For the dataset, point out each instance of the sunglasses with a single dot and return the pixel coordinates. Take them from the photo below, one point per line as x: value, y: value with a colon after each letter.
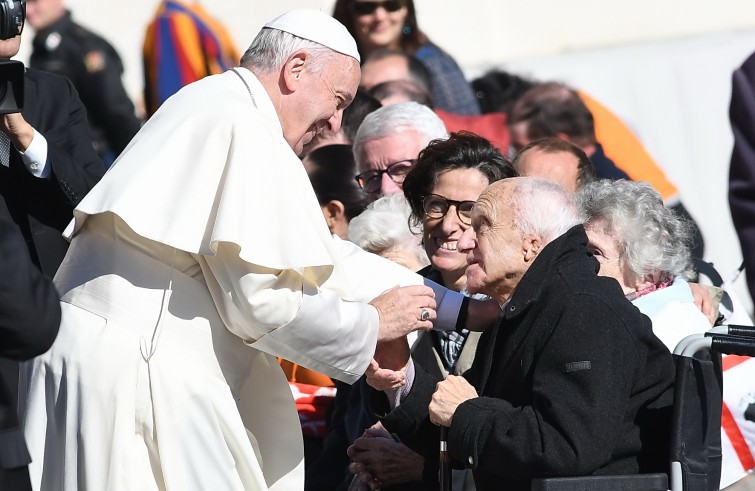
x: 367, y: 8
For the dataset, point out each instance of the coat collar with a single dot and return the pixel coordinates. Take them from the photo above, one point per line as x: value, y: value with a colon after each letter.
x: 567, y: 248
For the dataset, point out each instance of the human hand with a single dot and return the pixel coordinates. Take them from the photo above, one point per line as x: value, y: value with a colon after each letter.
x: 401, y: 310
x: 388, y: 369
x: 380, y: 460
x: 703, y: 301
x: 18, y: 130
x: 449, y: 393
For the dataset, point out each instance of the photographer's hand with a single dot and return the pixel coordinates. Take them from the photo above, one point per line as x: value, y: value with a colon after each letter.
x: 18, y: 130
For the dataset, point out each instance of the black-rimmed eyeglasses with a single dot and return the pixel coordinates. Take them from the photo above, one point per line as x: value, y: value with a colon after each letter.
x: 370, y: 180
x: 368, y: 8
x: 436, y: 206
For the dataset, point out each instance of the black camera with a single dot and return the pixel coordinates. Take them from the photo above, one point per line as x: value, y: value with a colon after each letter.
x: 12, y: 19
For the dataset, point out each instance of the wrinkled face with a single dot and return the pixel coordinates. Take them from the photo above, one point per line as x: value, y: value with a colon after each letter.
x: 604, y: 245
x: 381, y: 28
x: 42, y: 13
x: 559, y: 167
x: 385, y: 69
x: 321, y: 101
x: 379, y: 153
x: 494, y: 248
x: 441, y: 235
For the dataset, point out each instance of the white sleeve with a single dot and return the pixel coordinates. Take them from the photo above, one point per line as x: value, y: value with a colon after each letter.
x: 35, y: 157
x: 282, y: 313
x: 362, y: 276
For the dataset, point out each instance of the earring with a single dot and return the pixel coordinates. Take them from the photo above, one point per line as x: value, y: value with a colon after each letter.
x: 406, y: 30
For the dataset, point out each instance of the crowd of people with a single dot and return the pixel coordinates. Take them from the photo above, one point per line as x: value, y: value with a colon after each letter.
x: 306, y: 263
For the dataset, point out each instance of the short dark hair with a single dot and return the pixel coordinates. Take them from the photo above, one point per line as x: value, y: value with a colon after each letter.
x: 408, y: 89
x: 362, y: 105
x: 497, y: 90
x: 418, y: 72
x: 585, y: 169
x: 411, y: 36
x: 331, y: 172
x: 462, y: 150
x: 552, y: 108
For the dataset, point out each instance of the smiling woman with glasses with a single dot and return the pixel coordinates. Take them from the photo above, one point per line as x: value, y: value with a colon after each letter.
x: 392, y: 24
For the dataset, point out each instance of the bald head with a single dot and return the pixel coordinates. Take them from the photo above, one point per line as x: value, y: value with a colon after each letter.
x: 512, y: 221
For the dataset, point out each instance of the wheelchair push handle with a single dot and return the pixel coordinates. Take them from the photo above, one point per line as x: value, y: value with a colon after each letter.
x: 733, y: 345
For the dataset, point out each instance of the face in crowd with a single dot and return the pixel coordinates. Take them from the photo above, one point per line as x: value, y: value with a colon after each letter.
x: 322, y: 93
x: 448, y: 214
x: 378, y: 24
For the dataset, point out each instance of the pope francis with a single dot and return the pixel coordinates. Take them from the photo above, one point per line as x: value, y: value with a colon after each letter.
x: 200, y: 257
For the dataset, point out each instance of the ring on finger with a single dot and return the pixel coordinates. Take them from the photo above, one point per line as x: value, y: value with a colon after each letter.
x: 424, y: 314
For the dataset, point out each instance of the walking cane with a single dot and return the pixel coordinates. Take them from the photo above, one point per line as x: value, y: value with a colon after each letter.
x: 445, y: 461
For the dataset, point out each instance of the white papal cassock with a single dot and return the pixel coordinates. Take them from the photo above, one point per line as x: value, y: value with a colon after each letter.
x: 200, y: 257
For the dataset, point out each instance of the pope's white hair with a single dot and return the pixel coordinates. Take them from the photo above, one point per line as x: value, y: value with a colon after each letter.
x: 272, y: 48
x: 396, y: 119
x: 653, y: 239
x: 384, y: 226
x: 543, y: 208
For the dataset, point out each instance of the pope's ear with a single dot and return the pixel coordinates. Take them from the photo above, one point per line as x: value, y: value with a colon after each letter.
x: 293, y: 70
x: 532, y: 244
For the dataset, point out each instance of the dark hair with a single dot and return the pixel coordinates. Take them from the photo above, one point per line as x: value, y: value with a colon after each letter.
x: 497, y: 90
x: 411, y: 39
x: 331, y: 171
x: 362, y: 105
x: 418, y: 72
x: 462, y: 150
x: 585, y: 169
x: 553, y: 108
x: 408, y: 89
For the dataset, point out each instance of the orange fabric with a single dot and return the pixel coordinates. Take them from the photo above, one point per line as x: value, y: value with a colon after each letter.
x: 491, y: 126
x: 622, y: 146
x: 298, y: 374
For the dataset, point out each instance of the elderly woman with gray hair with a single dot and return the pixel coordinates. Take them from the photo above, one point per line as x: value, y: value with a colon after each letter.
x: 646, y: 248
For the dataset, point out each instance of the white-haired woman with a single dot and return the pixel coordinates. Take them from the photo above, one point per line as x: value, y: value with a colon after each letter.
x: 645, y: 247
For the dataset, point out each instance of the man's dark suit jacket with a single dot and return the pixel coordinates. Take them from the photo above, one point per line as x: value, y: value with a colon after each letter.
x: 572, y: 381
x: 742, y: 170
x: 42, y: 208
x: 29, y: 321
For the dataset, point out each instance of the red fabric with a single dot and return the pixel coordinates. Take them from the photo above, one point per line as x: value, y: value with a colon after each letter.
x: 491, y: 126
x: 737, y: 439
x: 312, y: 404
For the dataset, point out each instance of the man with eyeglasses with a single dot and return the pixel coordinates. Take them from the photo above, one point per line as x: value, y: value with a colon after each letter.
x: 388, y: 142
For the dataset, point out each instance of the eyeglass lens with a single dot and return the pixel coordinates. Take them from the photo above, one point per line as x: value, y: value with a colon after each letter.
x: 397, y: 171
x: 436, y: 206
x: 367, y: 8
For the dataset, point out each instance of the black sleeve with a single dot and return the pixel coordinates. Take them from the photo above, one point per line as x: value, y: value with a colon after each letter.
x: 74, y: 163
x: 102, y: 92
x: 29, y: 305
x: 742, y: 169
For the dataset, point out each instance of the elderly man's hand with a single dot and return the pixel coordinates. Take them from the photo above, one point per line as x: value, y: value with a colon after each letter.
x: 448, y: 395
x: 379, y: 460
x: 388, y: 369
x: 401, y: 311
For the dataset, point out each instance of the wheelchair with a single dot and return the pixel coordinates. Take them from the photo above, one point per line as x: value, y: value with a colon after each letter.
x: 695, y: 451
